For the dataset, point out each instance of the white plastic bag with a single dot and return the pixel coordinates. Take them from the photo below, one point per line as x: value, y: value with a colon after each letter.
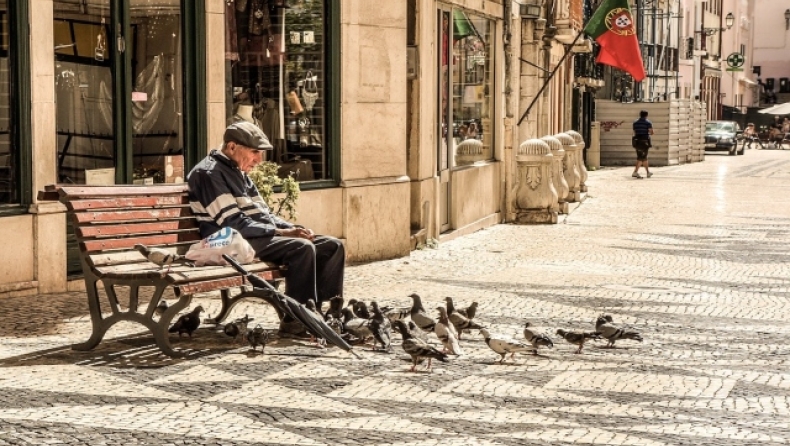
x: 225, y: 241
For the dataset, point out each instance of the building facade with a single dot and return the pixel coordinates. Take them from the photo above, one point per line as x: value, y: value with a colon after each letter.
x: 401, y: 118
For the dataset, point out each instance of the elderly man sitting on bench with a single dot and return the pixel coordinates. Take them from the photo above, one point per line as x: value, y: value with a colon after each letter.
x: 221, y: 194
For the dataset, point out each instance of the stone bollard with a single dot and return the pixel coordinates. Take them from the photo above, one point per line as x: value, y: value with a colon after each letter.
x: 468, y: 151
x: 535, y: 198
x: 570, y: 167
x: 557, y: 175
x: 579, y: 140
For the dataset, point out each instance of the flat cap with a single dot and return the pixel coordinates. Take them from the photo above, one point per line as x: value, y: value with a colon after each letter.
x: 247, y: 134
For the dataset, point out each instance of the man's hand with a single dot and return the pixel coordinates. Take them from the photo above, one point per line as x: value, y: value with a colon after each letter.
x: 304, y: 233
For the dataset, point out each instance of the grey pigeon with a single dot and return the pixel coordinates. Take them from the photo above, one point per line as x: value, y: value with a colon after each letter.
x: 238, y: 328
x: 446, y: 333
x: 577, y: 338
x: 161, y: 307
x: 357, y: 327
x: 380, y: 326
x: 416, y: 331
x: 187, y: 323
x: 537, y: 338
x: 417, y: 348
x: 418, y: 314
x: 469, y: 312
x: 503, y: 345
x: 161, y: 257
x: 605, y: 326
x: 258, y: 336
x: 335, y: 308
x: 396, y: 313
x: 360, y: 309
x: 459, y: 321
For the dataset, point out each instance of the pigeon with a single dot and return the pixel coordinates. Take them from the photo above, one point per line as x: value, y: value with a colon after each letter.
x: 537, y: 338
x: 380, y: 326
x: 418, y: 314
x: 258, y: 336
x: 417, y: 348
x: 356, y: 326
x: 396, y: 313
x: 187, y: 323
x: 459, y: 321
x: 310, y: 305
x: 335, y: 308
x: 469, y: 312
x: 605, y: 327
x: 416, y: 331
x: 503, y: 345
x: 446, y: 333
x: 161, y: 257
x: 238, y: 328
x: 577, y: 338
x: 360, y: 308
x: 161, y: 307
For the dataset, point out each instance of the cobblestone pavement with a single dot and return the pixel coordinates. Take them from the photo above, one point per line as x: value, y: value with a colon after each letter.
x: 696, y: 258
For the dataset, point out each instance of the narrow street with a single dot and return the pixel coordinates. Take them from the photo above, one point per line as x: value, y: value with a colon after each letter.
x: 696, y: 258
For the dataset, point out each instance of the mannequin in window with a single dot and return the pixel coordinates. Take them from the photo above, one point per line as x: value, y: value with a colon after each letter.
x: 244, y: 113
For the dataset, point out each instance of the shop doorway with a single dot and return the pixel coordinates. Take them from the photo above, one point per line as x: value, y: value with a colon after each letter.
x: 465, y: 104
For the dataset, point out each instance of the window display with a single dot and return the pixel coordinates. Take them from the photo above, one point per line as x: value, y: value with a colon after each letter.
x: 274, y: 53
x: 472, y: 44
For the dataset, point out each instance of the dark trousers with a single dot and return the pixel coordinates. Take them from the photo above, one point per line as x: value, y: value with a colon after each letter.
x: 315, y: 269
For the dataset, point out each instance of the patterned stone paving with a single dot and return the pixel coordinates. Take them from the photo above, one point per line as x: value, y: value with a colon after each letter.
x: 696, y: 258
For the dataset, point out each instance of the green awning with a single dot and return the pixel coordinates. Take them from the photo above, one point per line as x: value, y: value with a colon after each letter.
x: 462, y: 26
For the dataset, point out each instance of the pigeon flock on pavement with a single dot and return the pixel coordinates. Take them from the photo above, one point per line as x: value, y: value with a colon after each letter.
x: 360, y: 323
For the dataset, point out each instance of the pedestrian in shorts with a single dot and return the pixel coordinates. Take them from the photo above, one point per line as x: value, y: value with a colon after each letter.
x: 643, y: 128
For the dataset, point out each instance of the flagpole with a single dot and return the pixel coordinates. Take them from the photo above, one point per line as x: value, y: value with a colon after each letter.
x: 551, y: 75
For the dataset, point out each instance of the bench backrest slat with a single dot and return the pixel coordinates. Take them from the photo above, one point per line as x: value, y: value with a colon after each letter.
x: 173, y: 226
x: 75, y: 192
x: 127, y: 202
x: 129, y: 242
x: 130, y: 215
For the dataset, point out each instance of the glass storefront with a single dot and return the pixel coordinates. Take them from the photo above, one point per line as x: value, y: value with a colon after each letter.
x: 465, y: 79
x: 9, y: 187
x: 96, y: 133
x: 275, y: 60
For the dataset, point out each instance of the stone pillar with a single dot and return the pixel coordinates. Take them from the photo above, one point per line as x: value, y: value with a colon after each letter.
x: 535, y: 198
x: 570, y: 167
x: 579, y: 140
x: 557, y: 174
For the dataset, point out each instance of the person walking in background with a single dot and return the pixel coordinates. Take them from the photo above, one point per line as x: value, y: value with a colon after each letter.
x: 750, y: 136
x: 643, y: 128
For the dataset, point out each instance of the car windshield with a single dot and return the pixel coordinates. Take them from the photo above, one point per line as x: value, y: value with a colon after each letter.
x: 719, y: 127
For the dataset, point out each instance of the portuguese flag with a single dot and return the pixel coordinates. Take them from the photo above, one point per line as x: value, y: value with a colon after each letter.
x: 613, y: 27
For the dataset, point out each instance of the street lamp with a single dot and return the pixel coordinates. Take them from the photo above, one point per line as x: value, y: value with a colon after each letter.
x: 729, y: 21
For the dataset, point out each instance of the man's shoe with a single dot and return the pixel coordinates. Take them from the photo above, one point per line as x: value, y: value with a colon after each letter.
x: 636, y: 175
x: 649, y: 174
x: 292, y: 329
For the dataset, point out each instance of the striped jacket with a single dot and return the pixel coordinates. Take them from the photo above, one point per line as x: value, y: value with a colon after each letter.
x: 221, y: 196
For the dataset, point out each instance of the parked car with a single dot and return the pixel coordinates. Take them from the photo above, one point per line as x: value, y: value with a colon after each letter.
x: 724, y: 135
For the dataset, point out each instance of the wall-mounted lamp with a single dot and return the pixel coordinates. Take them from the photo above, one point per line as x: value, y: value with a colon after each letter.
x: 729, y: 21
x: 530, y: 9
x: 787, y: 19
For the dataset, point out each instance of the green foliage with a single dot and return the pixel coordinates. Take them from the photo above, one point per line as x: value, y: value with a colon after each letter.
x: 265, y: 178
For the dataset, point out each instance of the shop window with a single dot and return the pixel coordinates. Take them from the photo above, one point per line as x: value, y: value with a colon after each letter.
x: 276, y: 71
x: 471, y: 78
x: 109, y: 130
x: 9, y: 154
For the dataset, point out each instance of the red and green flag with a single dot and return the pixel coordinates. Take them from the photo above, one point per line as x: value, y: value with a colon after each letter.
x: 613, y: 27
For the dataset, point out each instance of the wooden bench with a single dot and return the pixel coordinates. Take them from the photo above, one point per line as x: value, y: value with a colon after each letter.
x: 109, y: 220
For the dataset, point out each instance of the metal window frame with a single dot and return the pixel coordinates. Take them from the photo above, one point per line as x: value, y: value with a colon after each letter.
x: 20, y: 95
